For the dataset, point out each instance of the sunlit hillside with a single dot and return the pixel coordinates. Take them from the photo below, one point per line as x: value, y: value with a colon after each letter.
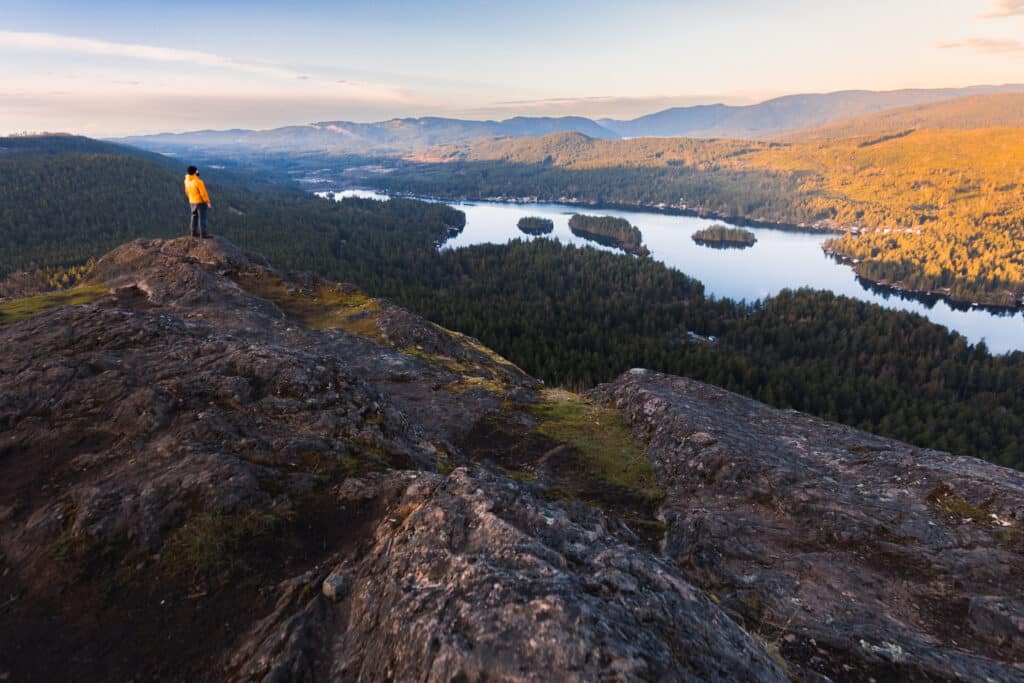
x: 936, y: 209
x: 964, y: 113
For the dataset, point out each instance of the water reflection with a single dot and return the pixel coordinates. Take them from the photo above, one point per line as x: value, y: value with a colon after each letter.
x: 724, y: 246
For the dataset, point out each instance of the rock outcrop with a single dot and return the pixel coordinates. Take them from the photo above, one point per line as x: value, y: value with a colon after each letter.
x: 861, y: 557
x: 217, y: 472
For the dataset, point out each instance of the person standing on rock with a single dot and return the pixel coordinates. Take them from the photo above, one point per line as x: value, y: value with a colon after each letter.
x: 198, y: 200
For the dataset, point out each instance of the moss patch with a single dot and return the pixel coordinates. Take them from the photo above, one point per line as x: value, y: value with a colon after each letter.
x: 1010, y: 536
x: 209, y: 544
x: 946, y: 501
x: 323, y: 307
x: 575, y: 451
x: 332, y: 467
x: 477, y: 346
x: 20, y: 309
x: 467, y: 369
x: 606, y: 447
x: 472, y: 382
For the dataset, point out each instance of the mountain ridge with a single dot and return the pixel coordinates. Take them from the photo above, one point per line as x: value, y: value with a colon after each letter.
x: 405, y: 135
x: 782, y: 114
x: 1004, y: 110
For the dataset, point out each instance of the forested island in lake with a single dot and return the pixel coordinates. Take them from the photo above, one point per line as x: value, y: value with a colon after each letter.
x: 534, y: 225
x: 724, y: 237
x: 609, y: 231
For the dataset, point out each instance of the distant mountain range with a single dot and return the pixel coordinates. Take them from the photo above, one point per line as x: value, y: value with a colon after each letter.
x: 770, y: 119
x: 962, y: 113
x: 397, y: 136
x: 784, y: 114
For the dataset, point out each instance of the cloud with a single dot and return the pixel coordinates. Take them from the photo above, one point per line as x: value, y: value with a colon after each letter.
x: 991, y: 45
x: 1005, y: 8
x: 154, y: 53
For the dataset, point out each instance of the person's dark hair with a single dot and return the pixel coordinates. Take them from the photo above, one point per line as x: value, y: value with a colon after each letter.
x: 192, y: 170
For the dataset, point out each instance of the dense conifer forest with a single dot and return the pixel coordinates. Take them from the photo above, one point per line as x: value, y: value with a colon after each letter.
x: 534, y: 225
x: 609, y: 231
x: 60, y: 208
x: 571, y: 316
x: 576, y: 316
x: 724, y: 235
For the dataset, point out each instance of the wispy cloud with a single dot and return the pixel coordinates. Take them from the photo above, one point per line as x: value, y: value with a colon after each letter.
x: 991, y: 45
x: 1005, y: 8
x: 154, y: 53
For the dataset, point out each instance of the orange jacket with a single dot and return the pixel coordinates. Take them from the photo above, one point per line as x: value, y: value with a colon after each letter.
x: 195, y: 190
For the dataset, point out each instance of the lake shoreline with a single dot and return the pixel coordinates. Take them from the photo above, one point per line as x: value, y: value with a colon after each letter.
x: 668, y: 210
x: 737, y: 221
x: 925, y: 295
x: 786, y: 259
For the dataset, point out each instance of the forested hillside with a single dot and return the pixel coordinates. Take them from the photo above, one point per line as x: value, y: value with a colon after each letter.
x: 61, y: 203
x: 567, y: 315
x: 942, y: 210
x: 577, y: 316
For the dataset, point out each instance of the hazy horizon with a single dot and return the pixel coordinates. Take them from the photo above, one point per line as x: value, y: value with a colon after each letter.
x: 117, y: 68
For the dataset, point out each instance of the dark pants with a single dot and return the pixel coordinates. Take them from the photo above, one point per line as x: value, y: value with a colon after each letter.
x: 197, y: 224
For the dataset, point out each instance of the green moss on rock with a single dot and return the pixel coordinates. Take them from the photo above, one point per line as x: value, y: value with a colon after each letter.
x: 29, y: 306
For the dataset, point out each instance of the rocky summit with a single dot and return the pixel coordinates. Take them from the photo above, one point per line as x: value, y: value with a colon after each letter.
x: 212, y: 471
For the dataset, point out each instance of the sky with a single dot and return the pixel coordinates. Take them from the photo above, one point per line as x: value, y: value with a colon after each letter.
x: 119, y: 67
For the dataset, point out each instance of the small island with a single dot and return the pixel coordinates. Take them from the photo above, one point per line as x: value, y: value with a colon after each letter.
x: 724, y: 237
x: 534, y: 225
x: 609, y: 231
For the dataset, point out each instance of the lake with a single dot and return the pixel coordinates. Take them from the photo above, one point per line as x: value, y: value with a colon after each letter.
x: 781, y: 259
